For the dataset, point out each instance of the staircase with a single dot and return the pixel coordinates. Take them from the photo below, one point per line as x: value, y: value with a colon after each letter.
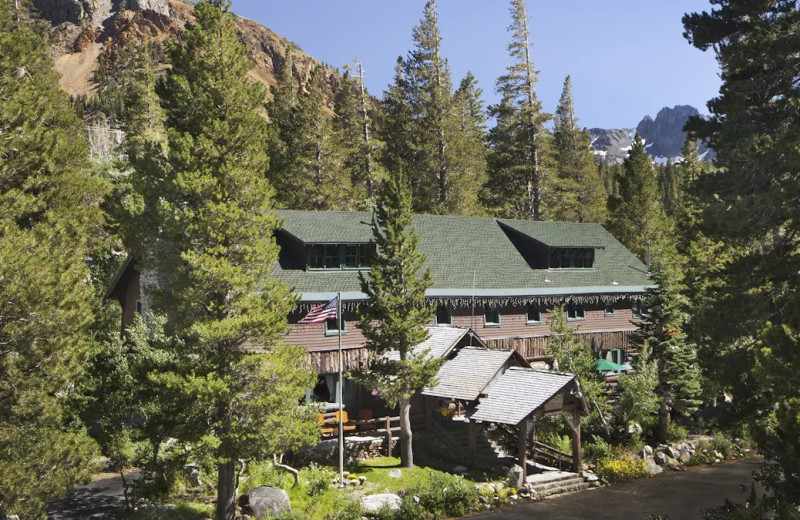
x: 551, y: 483
x: 454, y: 434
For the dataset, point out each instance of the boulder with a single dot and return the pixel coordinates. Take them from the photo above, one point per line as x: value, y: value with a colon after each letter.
x: 460, y: 470
x: 660, y: 458
x: 651, y: 467
x: 159, y: 6
x: 263, y: 501
x: 395, y: 473
x: 515, y: 476
x: 647, y: 451
x: 375, y: 503
x: 685, y: 458
x: 672, y: 452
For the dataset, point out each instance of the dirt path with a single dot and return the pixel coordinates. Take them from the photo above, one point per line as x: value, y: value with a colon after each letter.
x: 678, y: 496
x: 98, y: 499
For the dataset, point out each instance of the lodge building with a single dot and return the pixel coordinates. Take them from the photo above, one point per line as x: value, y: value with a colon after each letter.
x: 495, y: 283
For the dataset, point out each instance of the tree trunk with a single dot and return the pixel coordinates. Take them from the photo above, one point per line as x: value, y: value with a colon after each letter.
x: 406, y: 452
x: 663, y: 422
x: 226, y: 491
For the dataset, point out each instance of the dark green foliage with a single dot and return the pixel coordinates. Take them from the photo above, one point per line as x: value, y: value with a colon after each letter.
x: 393, y: 321
x: 353, y: 114
x: 206, y: 228
x: 50, y: 224
x: 576, y: 191
x: 518, y: 142
x: 751, y: 215
x: 439, y: 496
x: 427, y: 127
x: 636, y: 213
x: 662, y: 329
x: 306, y: 158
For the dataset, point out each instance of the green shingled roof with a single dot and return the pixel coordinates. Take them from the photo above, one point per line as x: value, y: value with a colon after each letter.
x: 462, y: 249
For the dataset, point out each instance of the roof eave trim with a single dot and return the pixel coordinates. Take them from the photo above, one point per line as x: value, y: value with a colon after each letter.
x: 488, y: 293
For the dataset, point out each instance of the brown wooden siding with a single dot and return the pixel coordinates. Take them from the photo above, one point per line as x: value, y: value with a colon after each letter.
x: 513, y: 322
x: 535, y: 347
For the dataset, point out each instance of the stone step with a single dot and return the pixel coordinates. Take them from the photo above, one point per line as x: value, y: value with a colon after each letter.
x: 560, y: 490
x: 544, y: 486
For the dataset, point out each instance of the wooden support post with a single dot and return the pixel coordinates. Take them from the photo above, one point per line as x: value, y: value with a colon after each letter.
x: 473, y: 440
x: 522, y: 445
x: 388, y: 436
x: 576, y: 442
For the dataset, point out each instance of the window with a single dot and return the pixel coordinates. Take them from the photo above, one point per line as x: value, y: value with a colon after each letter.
x: 608, y: 312
x: 639, y: 310
x: 571, y: 257
x: 444, y: 315
x: 338, y: 256
x: 533, y: 314
x: 491, y: 316
x: 617, y: 355
x: 575, y: 311
x: 331, y: 327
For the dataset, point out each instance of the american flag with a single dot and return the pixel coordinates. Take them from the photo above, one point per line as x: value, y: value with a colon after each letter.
x: 322, y: 312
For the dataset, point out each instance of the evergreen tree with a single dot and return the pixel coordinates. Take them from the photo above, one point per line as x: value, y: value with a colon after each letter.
x: 637, y: 215
x: 662, y: 330
x: 749, y: 207
x: 574, y: 355
x: 50, y: 224
x: 518, y: 141
x: 470, y: 142
x: 208, y: 236
x: 423, y: 116
x: 576, y: 192
x: 353, y: 126
x: 306, y: 159
x: 393, y: 321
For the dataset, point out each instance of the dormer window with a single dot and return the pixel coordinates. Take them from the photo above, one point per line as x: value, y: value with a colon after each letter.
x: 571, y: 257
x: 338, y: 256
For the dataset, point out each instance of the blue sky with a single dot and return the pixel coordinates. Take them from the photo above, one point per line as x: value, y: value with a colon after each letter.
x: 627, y: 58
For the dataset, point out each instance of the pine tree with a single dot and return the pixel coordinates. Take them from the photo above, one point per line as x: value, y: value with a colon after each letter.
x: 574, y: 355
x: 662, y: 330
x: 50, y: 224
x: 355, y: 135
x: 393, y: 321
x: 749, y: 206
x: 470, y: 143
x: 518, y: 141
x: 637, y: 215
x: 209, y: 239
x: 576, y: 190
x: 306, y: 156
x: 423, y: 118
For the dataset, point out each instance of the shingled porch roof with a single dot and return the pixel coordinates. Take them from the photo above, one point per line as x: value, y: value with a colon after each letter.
x: 466, y: 376
x: 508, y: 403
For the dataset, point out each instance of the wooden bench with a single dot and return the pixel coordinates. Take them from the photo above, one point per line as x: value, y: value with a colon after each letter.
x: 330, y: 423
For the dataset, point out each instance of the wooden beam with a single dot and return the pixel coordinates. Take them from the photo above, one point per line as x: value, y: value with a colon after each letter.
x: 522, y: 447
x: 473, y: 440
x: 576, y: 441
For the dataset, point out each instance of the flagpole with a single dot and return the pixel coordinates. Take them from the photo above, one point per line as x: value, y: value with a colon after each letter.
x: 341, y: 384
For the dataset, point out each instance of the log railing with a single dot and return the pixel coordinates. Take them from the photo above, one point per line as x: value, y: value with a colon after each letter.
x: 388, y: 427
x: 539, y: 451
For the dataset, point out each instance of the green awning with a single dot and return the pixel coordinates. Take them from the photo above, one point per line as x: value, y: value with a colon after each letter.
x: 604, y: 365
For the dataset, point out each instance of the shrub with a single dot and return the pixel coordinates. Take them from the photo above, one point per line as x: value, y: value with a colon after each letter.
x: 722, y: 443
x: 598, y: 450
x: 676, y: 432
x: 444, y: 495
x: 410, y: 509
x: 703, y: 454
x: 318, y: 479
x: 621, y: 469
x: 350, y: 510
x: 262, y: 473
